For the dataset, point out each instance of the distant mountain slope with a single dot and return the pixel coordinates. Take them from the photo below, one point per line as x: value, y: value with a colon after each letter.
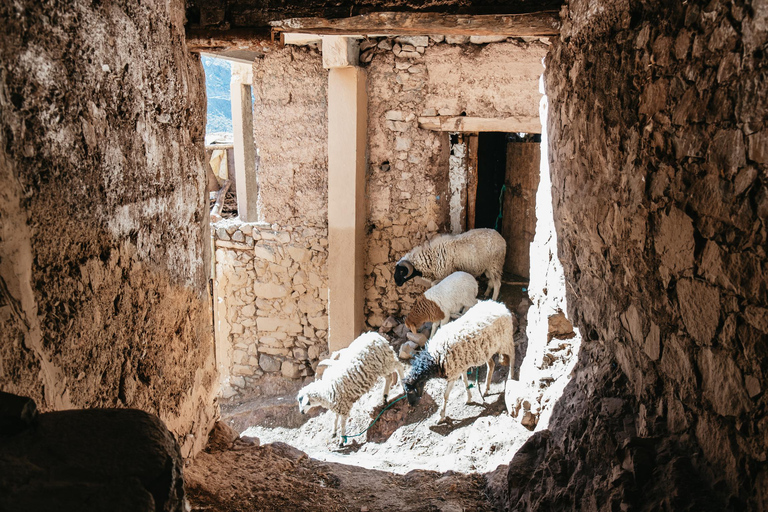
x: 218, y: 73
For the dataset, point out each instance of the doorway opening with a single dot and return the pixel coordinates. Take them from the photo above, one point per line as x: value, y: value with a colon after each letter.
x: 504, y: 197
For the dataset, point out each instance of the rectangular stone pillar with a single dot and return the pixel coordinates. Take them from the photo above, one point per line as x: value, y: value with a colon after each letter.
x: 347, y: 129
x: 245, y: 148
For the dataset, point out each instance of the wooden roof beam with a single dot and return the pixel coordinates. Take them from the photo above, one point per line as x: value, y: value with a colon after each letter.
x: 511, y: 124
x: 542, y: 24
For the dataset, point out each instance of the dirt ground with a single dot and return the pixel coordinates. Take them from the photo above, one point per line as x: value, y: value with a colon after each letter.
x: 405, y: 461
x: 278, y: 477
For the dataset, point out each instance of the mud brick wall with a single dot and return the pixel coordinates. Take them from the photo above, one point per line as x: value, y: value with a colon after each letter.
x: 290, y: 122
x: 103, y: 279
x: 658, y: 150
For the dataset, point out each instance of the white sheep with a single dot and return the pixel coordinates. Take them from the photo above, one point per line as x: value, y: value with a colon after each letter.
x: 488, y: 328
x: 351, y: 376
x: 478, y: 251
x: 450, y: 296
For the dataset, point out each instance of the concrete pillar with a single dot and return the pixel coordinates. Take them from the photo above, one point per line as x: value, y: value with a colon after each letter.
x: 245, y: 149
x: 347, y: 129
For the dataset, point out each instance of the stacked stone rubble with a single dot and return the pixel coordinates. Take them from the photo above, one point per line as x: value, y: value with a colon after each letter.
x: 271, y: 290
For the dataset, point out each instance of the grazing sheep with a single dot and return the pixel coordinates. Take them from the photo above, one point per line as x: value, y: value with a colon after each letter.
x: 478, y: 251
x: 486, y: 329
x: 351, y: 376
x: 449, y: 296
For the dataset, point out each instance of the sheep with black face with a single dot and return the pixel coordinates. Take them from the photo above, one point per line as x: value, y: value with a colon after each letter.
x: 477, y: 252
x: 488, y: 328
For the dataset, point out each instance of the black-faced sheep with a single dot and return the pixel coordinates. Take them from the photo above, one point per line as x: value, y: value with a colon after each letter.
x: 456, y: 292
x: 351, y: 376
x: 478, y: 251
x: 486, y: 329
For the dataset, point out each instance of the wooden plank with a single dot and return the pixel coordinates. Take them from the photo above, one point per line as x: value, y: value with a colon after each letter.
x: 472, y: 146
x: 481, y: 124
x: 519, y: 216
x: 299, y: 38
x: 212, y: 40
x: 543, y: 24
x: 219, y: 204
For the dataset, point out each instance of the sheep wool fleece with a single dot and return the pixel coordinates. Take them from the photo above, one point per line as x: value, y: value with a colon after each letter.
x: 454, y: 292
x: 356, y: 371
x: 477, y: 251
x: 486, y: 329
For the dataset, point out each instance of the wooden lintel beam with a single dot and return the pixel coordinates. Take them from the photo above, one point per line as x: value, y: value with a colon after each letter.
x: 545, y: 23
x: 481, y: 124
x: 211, y: 40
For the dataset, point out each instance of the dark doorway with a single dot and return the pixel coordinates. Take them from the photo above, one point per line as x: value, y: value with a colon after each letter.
x: 491, y: 170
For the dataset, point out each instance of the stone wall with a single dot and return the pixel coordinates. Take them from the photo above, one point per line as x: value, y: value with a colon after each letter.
x: 103, y: 279
x: 658, y: 144
x: 408, y: 183
x: 271, y: 303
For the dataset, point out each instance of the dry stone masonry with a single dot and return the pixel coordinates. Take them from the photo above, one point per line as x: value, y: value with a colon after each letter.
x: 271, y: 281
x: 271, y: 303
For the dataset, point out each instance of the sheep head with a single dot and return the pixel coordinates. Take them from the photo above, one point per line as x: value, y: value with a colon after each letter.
x: 424, y: 367
x: 424, y: 310
x: 404, y: 271
x: 307, y: 398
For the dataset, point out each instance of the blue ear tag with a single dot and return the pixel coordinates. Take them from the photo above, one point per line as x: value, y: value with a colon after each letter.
x: 525, y: 289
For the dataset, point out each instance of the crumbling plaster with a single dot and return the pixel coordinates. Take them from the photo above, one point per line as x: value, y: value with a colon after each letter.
x: 102, y: 248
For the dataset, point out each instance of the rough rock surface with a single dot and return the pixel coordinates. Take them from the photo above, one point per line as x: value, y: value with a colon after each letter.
x: 657, y: 123
x: 98, y: 459
x: 103, y: 279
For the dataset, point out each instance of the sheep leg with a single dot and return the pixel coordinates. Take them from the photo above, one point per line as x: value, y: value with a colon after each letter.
x: 448, y: 388
x: 496, y: 280
x: 434, y: 330
x: 466, y: 386
x: 489, y: 376
x: 511, y: 360
x: 343, y: 421
x: 445, y: 320
x: 335, y: 421
x: 400, y: 376
x: 387, y: 385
